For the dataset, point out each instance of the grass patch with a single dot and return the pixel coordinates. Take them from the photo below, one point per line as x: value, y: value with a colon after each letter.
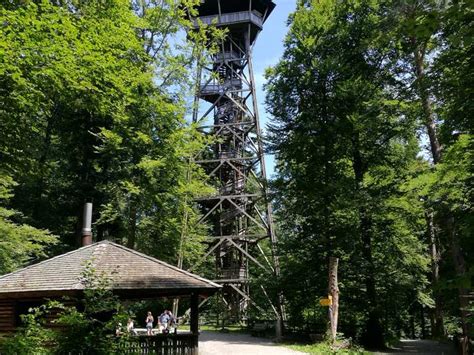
x: 324, y: 348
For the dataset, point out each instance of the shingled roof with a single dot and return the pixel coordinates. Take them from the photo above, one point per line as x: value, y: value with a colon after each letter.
x: 132, y: 274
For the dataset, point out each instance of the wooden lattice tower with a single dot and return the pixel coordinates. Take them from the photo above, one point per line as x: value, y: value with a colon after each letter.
x: 226, y: 107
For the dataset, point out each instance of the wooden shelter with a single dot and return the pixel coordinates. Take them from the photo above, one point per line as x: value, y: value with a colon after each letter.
x: 133, y: 276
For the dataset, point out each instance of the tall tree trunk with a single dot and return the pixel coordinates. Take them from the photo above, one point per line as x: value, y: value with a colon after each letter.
x: 373, y: 336
x: 184, y: 232
x: 334, y: 293
x: 448, y: 223
x: 463, y: 293
x: 436, y: 316
x: 39, y: 207
x: 428, y: 116
x: 412, y: 321
x: 437, y: 321
x: 422, y: 322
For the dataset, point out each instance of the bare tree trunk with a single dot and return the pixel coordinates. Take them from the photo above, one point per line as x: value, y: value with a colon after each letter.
x: 334, y: 293
x: 428, y: 116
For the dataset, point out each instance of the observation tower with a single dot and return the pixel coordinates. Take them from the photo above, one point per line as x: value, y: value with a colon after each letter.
x: 242, y: 241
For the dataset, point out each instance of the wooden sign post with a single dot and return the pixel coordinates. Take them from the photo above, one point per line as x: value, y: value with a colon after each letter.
x: 326, y: 301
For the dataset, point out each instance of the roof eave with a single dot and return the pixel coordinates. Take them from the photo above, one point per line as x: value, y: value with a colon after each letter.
x: 124, y: 293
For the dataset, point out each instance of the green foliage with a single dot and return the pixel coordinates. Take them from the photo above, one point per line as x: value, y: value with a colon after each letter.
x: 453, y: 184
x: 346, y: 148
x: 453, y: 70
x: 356, y: 84
x: 452, y: 193
x: 20, y: 243
x: 33, y: 338
x: 90, y: 326
x: 92, y: 110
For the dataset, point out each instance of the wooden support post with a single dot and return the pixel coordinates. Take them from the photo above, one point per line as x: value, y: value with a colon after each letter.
x: 334, y: 293
x: 194, y: 313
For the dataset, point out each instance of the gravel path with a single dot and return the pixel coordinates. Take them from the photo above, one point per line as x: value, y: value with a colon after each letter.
x: 424, y: 347
x: 215, y: 343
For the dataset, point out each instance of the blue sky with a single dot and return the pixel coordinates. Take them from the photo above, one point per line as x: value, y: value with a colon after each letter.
x: 267, y: 51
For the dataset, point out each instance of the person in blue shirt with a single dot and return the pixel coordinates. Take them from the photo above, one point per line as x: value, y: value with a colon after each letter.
x: 164, y: 321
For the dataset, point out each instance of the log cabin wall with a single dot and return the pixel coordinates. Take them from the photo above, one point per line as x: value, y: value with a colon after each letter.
x: 7, y: 316
x: 11, y: 311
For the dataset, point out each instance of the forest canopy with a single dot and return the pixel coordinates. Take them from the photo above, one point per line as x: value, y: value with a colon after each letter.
x: 372, y: 132
x: 92, y: 110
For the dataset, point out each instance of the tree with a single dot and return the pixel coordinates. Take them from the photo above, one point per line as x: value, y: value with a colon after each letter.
x: 436, y: 48
x: 453, y: 191
x: 93, y: 110
x: 453, y: 71
x: 21, y: 243
x: 344, y: 143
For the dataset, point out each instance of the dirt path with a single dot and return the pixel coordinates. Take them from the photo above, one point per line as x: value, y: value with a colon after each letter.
x: 425, y: 347
x: 215, y: 343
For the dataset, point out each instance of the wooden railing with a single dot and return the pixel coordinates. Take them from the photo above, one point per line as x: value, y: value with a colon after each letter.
x: 231, y: 18
x: 217, y: 88
x: 160, y: 344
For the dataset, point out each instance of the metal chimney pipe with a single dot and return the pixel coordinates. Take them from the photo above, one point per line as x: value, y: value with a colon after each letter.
x: 87, y: 224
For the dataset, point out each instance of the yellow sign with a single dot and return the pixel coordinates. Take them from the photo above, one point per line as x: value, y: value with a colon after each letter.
x: 326, y: 301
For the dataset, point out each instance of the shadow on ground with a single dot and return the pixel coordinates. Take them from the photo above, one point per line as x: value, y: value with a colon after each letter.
x: 419, y: 346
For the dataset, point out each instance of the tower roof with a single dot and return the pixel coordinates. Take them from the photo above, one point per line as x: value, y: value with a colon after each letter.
x: 211, y: 7
x: 131, y: 274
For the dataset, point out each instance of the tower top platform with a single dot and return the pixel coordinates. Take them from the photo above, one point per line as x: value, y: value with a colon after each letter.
x: 236, y: 15
x: 219, y: 7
